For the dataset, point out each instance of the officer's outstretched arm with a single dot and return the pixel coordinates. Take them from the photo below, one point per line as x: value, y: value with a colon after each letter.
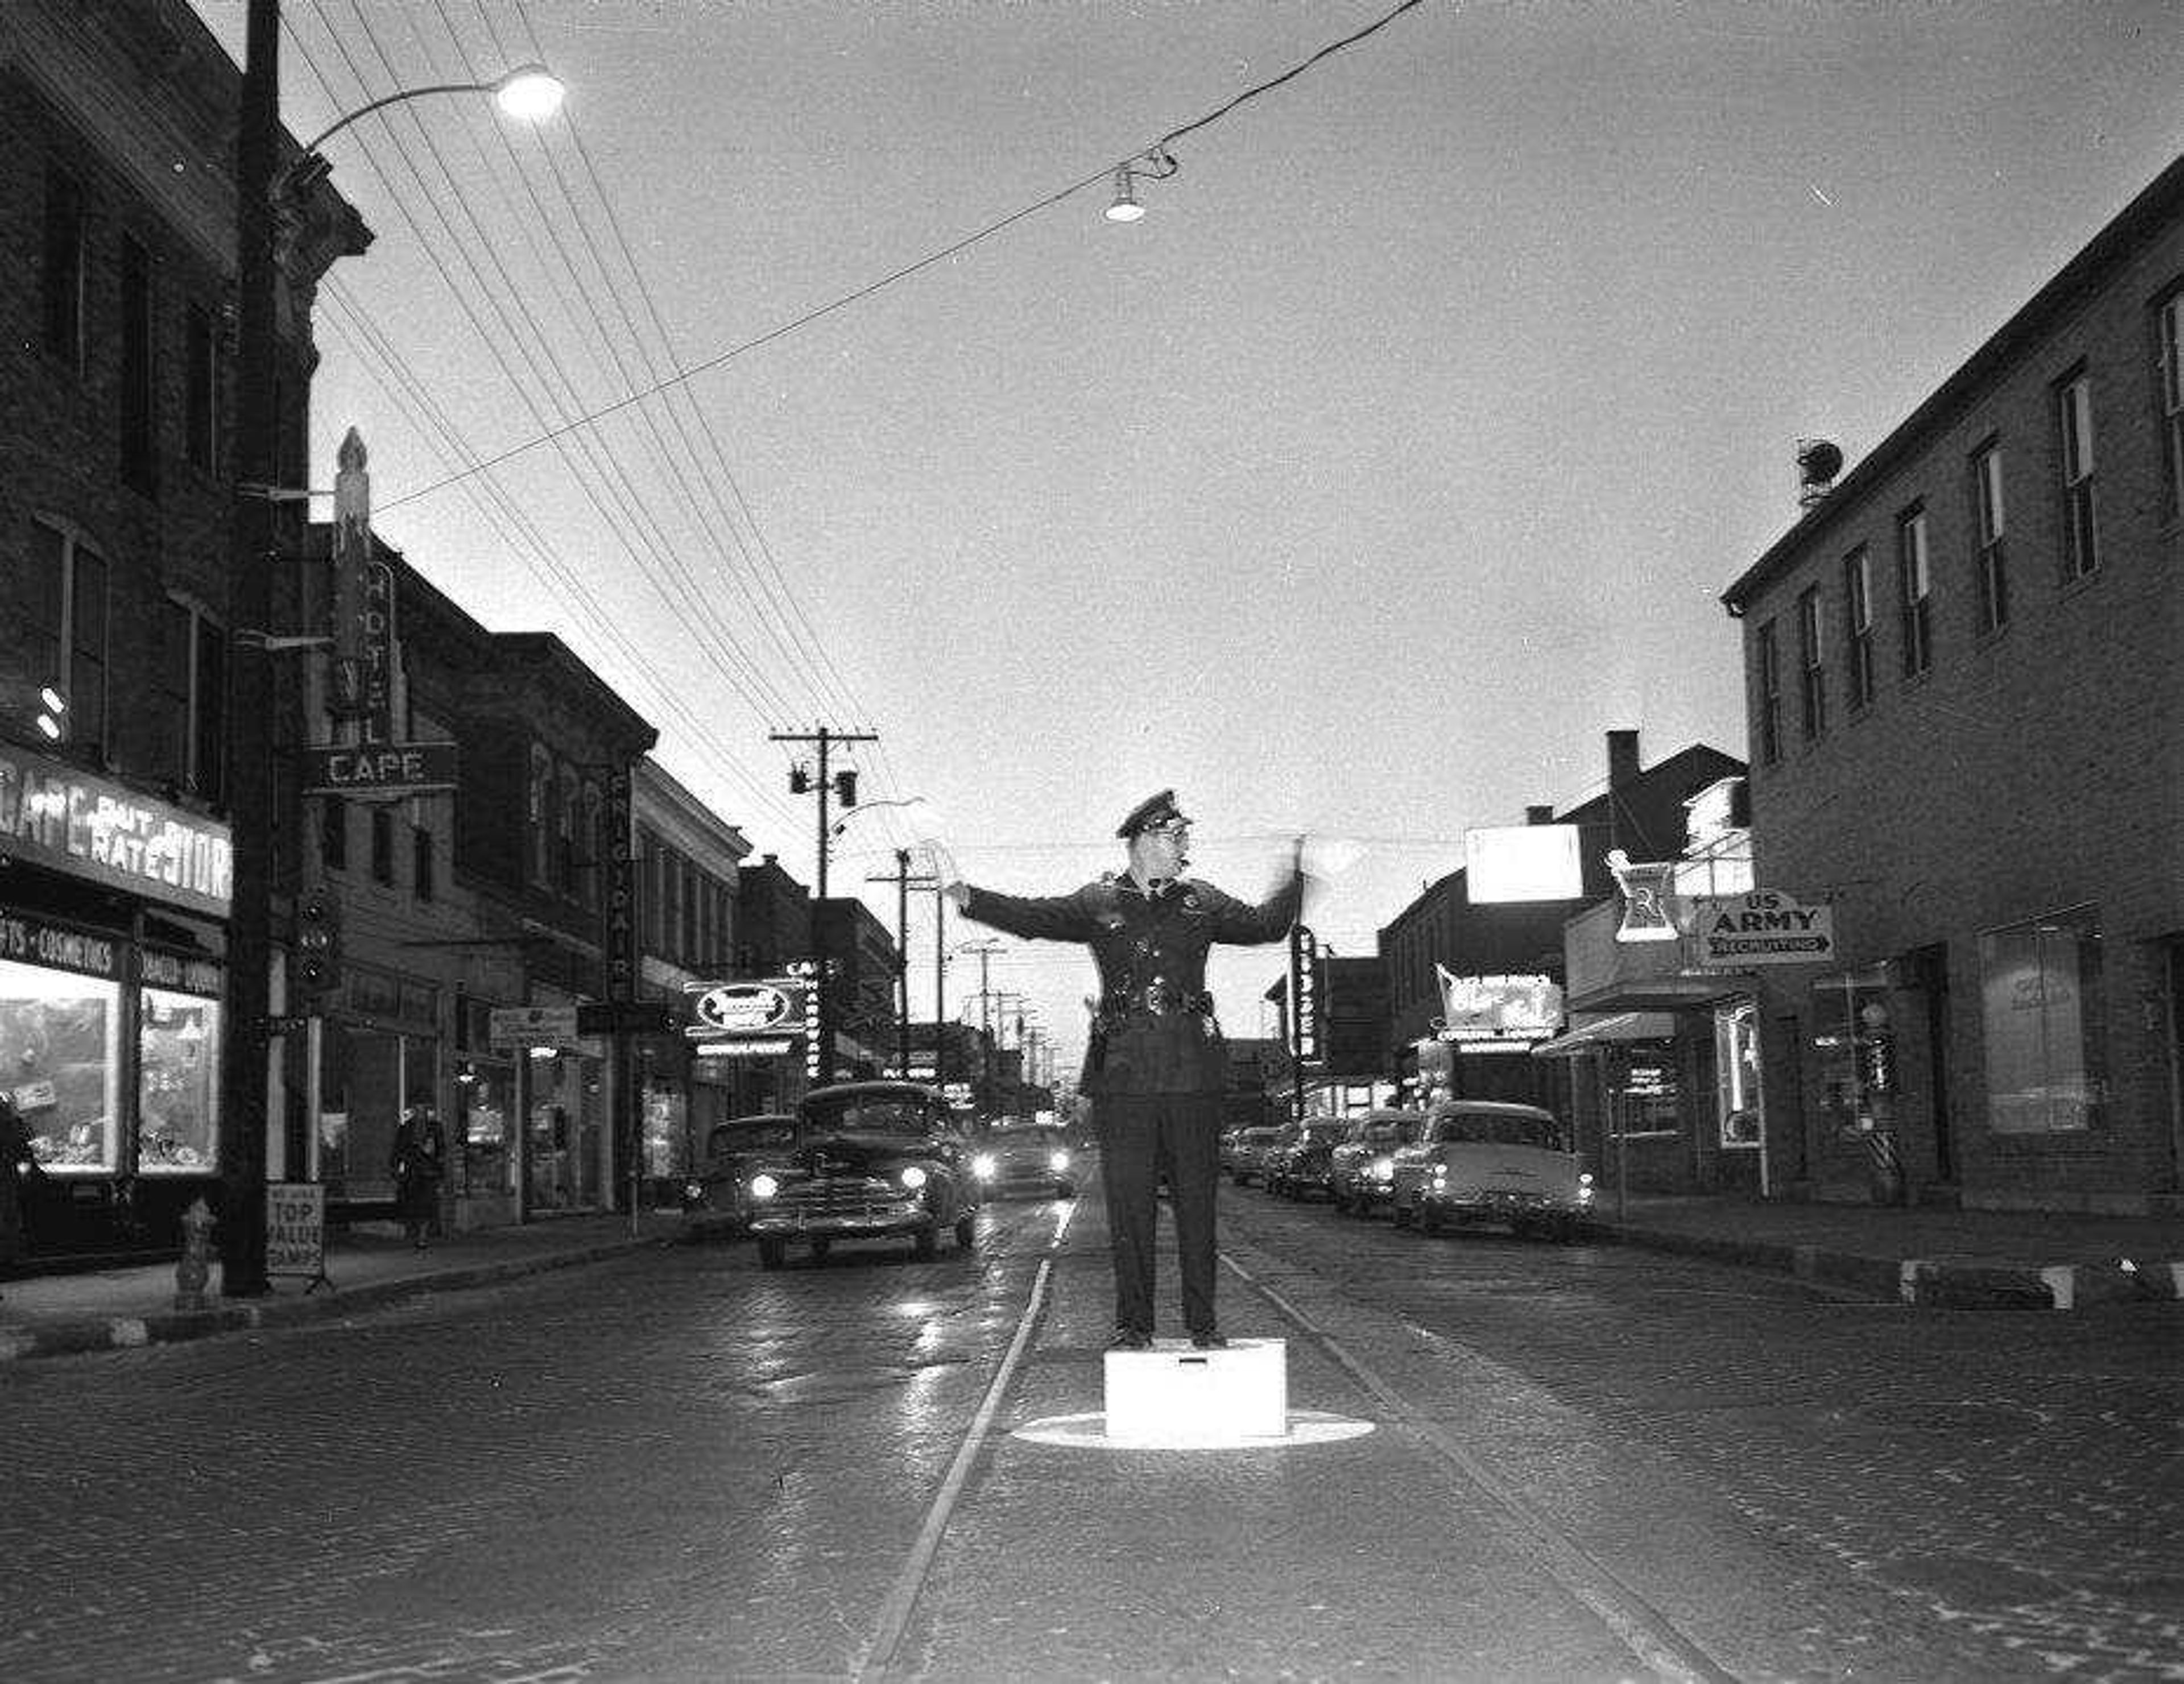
x: 1046, y: 918
x: 1244, y: 925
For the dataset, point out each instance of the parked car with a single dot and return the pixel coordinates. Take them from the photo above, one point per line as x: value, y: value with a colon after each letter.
x: 1361, y: 1166
x: 735, y: 1152
x: 1033, y: 1161
x: 1247, y: 1158
x: 1298, y: 1163
x: 1479, y: 1159
x: 872, y: 1161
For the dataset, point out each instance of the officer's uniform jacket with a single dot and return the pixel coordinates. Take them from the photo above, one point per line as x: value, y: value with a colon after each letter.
x: 1154, y: 1030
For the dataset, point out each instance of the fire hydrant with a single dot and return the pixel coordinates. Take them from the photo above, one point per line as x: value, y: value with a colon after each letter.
x: 194, y: 1267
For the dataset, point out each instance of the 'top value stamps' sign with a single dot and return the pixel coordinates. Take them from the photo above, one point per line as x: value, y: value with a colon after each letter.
x: 1765, y: 927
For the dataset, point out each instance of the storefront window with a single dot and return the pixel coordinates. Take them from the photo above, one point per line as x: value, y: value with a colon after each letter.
x: 485, y: 1098
x: 1854, y: 1037
x: 665, y: 1146
x: 2039, y: 993
x: 1647, y: 1093
x: 178, y: 1084
x: 565, y: 1113
x: 60, y: 1059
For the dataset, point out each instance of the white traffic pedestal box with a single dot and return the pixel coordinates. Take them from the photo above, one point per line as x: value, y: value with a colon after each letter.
x: 1177, y: 1394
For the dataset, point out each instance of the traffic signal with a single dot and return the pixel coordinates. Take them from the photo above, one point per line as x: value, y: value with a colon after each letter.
x: 799, y: 780
x: 318, y: 940
x: 845, y: 787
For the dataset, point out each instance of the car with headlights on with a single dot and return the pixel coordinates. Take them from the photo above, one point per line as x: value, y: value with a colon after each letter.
x: 1031, y: 1161
x: 1298, y: 1163
x: 871, y: 1161
x: 1488, y: 1161
x: 1361, y: 1166
x: 719, y: 1184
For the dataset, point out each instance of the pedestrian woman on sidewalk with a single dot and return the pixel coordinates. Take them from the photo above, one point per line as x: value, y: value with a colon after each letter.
x: 15, y: 1163
x: 419, y: 1161
x: 1156, y: 1066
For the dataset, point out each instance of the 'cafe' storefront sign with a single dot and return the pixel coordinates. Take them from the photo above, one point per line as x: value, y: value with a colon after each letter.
x: 52, y: 814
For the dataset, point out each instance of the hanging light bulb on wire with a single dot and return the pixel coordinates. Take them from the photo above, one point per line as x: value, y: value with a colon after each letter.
x: 1154, y: 166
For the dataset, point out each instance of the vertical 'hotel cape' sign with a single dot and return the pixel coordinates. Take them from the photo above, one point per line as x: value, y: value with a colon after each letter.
x: 363, y: 604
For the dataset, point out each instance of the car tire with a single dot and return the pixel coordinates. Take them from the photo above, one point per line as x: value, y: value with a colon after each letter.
x: 924, y: 1246
x: 1430, y: 1219
x: 1399, y: 1216
x: 772, y: 1251
x: 966, y: 1231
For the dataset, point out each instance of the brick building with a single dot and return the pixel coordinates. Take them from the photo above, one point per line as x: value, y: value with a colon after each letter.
x: 118, y: 244
x: 1967, y: 735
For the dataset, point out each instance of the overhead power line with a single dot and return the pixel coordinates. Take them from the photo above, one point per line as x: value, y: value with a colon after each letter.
x: 1104, y: 173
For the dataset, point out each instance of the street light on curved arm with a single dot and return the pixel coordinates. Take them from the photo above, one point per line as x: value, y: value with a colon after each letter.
x: 531, y: 91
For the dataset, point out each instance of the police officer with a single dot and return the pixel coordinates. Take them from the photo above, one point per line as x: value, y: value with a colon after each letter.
x: 1157, y: 1065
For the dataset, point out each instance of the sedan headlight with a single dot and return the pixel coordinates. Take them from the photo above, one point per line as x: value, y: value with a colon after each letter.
x: 764, y: 1186
x: 913, y: 1176
x: 1440, y: 1172
x: 1384, y: 1169
x: 1058, y: 1162
x: 694, y: 1189
x: 983, y: 1166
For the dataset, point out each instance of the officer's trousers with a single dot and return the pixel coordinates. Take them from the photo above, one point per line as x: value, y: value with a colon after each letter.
x: 1143, y: 1137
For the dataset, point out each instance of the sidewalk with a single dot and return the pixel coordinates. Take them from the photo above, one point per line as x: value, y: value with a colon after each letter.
x: 54, y: 1314
x: 1957, y: 1259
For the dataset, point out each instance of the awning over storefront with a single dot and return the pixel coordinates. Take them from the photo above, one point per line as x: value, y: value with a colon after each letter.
x: 1624, y: 1026
x: 1659, y: 994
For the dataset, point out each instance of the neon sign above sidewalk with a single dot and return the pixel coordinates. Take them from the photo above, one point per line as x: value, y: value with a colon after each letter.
x: 52, y: 814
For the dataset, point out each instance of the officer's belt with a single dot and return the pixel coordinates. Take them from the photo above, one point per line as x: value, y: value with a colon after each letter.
x: 1159, y: 1000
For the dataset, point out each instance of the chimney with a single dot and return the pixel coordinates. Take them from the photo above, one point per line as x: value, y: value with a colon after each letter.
x: 1819, y: 462
x: 1539, y: 815
x: 1622, y: 760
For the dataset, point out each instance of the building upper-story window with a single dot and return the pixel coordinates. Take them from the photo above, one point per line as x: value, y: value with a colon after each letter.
x: 1914, y: 590
x: 193, y: 684
x: 134, y: 411
x: 2168, y: 332
x: 567, y: 810
x: 2080, y: 524
x: 1857, y: 625
x: 63, y: 276
x: 383, y: 844
x: 424, y: 876
x: 1769, y: 661
x: 1990, y: 522
x: 60, y: 603
x: 590, y: 836
x: 1812, y: 670
x: 200, y: 390
x: 333, y: 832
x: 538, y: 814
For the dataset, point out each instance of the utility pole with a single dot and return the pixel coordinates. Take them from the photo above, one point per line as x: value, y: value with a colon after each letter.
x: 985, y: 950
x: 904, y: 882
x: 1006, y: 999
x: 242, y: 1118
x: 846, y: 788
x: 940, y: 980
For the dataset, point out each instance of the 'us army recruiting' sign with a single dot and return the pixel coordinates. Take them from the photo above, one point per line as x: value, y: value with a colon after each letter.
x: 1765, y: 927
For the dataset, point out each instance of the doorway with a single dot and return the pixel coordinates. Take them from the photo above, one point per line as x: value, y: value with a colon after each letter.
x: 1929, y: 975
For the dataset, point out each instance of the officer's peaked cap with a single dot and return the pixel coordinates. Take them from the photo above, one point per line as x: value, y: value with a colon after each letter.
x: 1154, y: 810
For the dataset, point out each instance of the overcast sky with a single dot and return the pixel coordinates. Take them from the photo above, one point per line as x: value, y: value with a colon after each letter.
x: 1397, y: 455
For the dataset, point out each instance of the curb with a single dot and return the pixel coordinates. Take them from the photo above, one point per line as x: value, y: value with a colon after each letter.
x: 1958, y: 1283
x: 75, y: 1335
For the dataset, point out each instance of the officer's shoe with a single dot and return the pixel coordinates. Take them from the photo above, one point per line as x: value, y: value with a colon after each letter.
x: 1130, y: 1339
x: 1209, y: 1341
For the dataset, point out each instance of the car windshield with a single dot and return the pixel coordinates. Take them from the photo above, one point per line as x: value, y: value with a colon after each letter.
x: 1026, y: 1140
x: 748, y: 1133
x: 1502, y: 1129
x: 872, y: 1114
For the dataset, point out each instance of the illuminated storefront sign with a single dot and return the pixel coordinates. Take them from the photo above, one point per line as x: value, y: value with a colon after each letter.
x: 1481, y: 1013
x: 52, y: 815
x: 746, y: 1019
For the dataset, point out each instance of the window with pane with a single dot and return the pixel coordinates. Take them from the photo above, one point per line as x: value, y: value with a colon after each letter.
x: 2168, y: 329
x: 1914, y: 591
x: 1812, y: 671
x: 333, y: 832
x: 538, y: 814
x: 592, y: 863
x: 424, y: 877
x: 177, y: 1084
x: 133, y: 412
x: 565, y: 831
x: 62, y: 277
x: 58, y: 603
x: 1857, y: 625
x: 1769, y: 660
x: 200, y: 389
x: 2080, y: 524
x: 2041, y: 1004
x: 60, y: 1045
x: 382, y: 845
x: 1989, y: 522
